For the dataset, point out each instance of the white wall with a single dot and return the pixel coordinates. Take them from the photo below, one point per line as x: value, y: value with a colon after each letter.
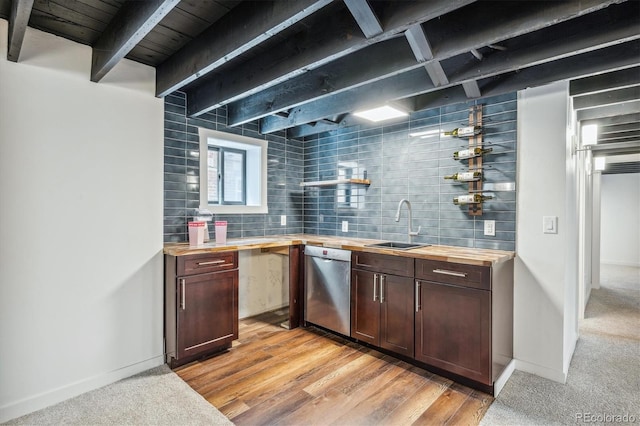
x: 540, y: 270
x: 620, y: 221
x: 80, y: 223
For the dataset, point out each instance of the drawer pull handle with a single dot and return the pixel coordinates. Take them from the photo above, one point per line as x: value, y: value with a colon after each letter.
x: 183, y: 298
x: 452, y: 273
x: 375, y: 287
x: 418, y: 306
x: 213, y: 262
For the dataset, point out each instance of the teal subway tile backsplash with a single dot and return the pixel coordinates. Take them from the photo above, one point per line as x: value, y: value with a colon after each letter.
x: 398, y: 165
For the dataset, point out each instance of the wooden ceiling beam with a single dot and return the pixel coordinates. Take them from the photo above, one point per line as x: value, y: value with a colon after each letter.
x: 520, y: 65
x: 578, y: 66
x: 609, y: 111
x: 424, y: 53
x: 367, y: 96
x: 127, y: 28
x: 610, y: 97
x: 365, y: 17
x: 313, y: 84
x: 436, y: 73
x: 419, y: 44
x: 471, y: 89
x: 613, y: 121
x: 611, y: 80
x: 18, y: 21
x: 371, y: 64
x: 319, y: 46
x: 243, y: 28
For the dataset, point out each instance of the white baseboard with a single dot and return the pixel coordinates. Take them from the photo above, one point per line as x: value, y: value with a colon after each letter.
x: 547, y: 373
x: 54, y: 396
x: 502, y: 380
x: 618, y: 263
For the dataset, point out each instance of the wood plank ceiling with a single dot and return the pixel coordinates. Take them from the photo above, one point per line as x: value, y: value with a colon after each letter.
x: 305, y: 66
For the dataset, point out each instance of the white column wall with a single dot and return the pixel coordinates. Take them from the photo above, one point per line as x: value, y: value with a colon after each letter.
x: 620, y: 220
x: 540, y: 271
x: 80, y: 223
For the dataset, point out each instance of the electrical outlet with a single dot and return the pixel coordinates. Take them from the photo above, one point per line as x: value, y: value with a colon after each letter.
x: 490, y: 228
x: 345, y: 226
x: 283, y: 220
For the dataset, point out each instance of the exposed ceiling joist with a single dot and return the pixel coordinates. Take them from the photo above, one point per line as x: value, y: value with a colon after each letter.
x: 608, y: 111
x: 436, y: 73
x: 419, y: 44
x: 422, y: 50
x: 353, y: 70
x: 610, y: 97
x: 493, y: 25
x: 227, y: 40
x: 616, y: 148
x: 132, y: 23
x: 611, y: 80
x: 614, y: 120
x: 620, y: 168
x: 329, y: 42
x: 18, y: 20
x: 395, y: 87
x: 618, y: 56
x: 371, y: 64
x: 471, y: 89
x: 365, y: 17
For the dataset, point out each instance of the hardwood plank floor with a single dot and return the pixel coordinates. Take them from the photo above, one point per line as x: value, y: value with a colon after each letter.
x: 275, y: 376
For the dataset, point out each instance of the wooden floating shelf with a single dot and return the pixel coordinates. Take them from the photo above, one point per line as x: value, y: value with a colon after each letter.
x: 337, y: 182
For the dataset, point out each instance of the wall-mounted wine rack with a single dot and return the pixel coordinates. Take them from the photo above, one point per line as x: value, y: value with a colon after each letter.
x: 475, y: 163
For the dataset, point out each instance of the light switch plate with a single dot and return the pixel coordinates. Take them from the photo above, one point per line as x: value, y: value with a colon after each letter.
x: 345, y: 226
x: 550, y: 224
x: 283, y: 220
x: 490, y: 228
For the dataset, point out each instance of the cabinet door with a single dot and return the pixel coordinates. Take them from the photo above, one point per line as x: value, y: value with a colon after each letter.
x: 453, y: 330
x: 397, y: 315
x: 365, y: 306
x: 207, y: 312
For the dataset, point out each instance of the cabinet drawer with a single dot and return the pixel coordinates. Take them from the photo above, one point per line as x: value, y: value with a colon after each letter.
x: 454, y: 273
x: 208, y: 262
x: 383, y: 263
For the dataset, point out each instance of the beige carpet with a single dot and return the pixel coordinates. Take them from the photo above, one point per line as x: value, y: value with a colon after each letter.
x: 154, y: 397
x: 604, y: 375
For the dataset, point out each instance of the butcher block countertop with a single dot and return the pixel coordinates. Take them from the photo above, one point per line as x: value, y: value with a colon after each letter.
x: 464, y: 255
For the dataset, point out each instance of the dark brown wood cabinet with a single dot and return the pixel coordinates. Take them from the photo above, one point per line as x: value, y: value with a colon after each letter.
x: 201, y: 305
x: 382, y: 301
x: 461, y: 326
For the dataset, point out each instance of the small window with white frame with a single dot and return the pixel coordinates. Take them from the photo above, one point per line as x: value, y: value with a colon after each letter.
x: 233, y: 173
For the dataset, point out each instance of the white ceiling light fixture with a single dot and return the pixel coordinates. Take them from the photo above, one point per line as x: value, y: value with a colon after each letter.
x: 382, y: 113
x: 590, y: 134
x: 599, y: 163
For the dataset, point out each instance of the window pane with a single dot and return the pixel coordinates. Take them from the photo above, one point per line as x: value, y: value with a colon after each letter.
x: 213, y: 175
x: 233, y: 179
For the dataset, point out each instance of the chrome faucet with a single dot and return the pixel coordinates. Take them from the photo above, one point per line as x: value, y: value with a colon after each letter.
x: 411, y: 233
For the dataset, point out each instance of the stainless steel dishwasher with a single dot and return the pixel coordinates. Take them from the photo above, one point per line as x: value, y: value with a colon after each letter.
x: 327, y: 283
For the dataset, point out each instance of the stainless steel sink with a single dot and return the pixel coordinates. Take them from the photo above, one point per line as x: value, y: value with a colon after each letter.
x: 395, y: 245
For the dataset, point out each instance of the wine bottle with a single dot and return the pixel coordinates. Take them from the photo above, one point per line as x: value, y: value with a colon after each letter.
x: 464, y: 132
x: 470, y: 153
x: 471, y: 199
x: 465, y: 176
